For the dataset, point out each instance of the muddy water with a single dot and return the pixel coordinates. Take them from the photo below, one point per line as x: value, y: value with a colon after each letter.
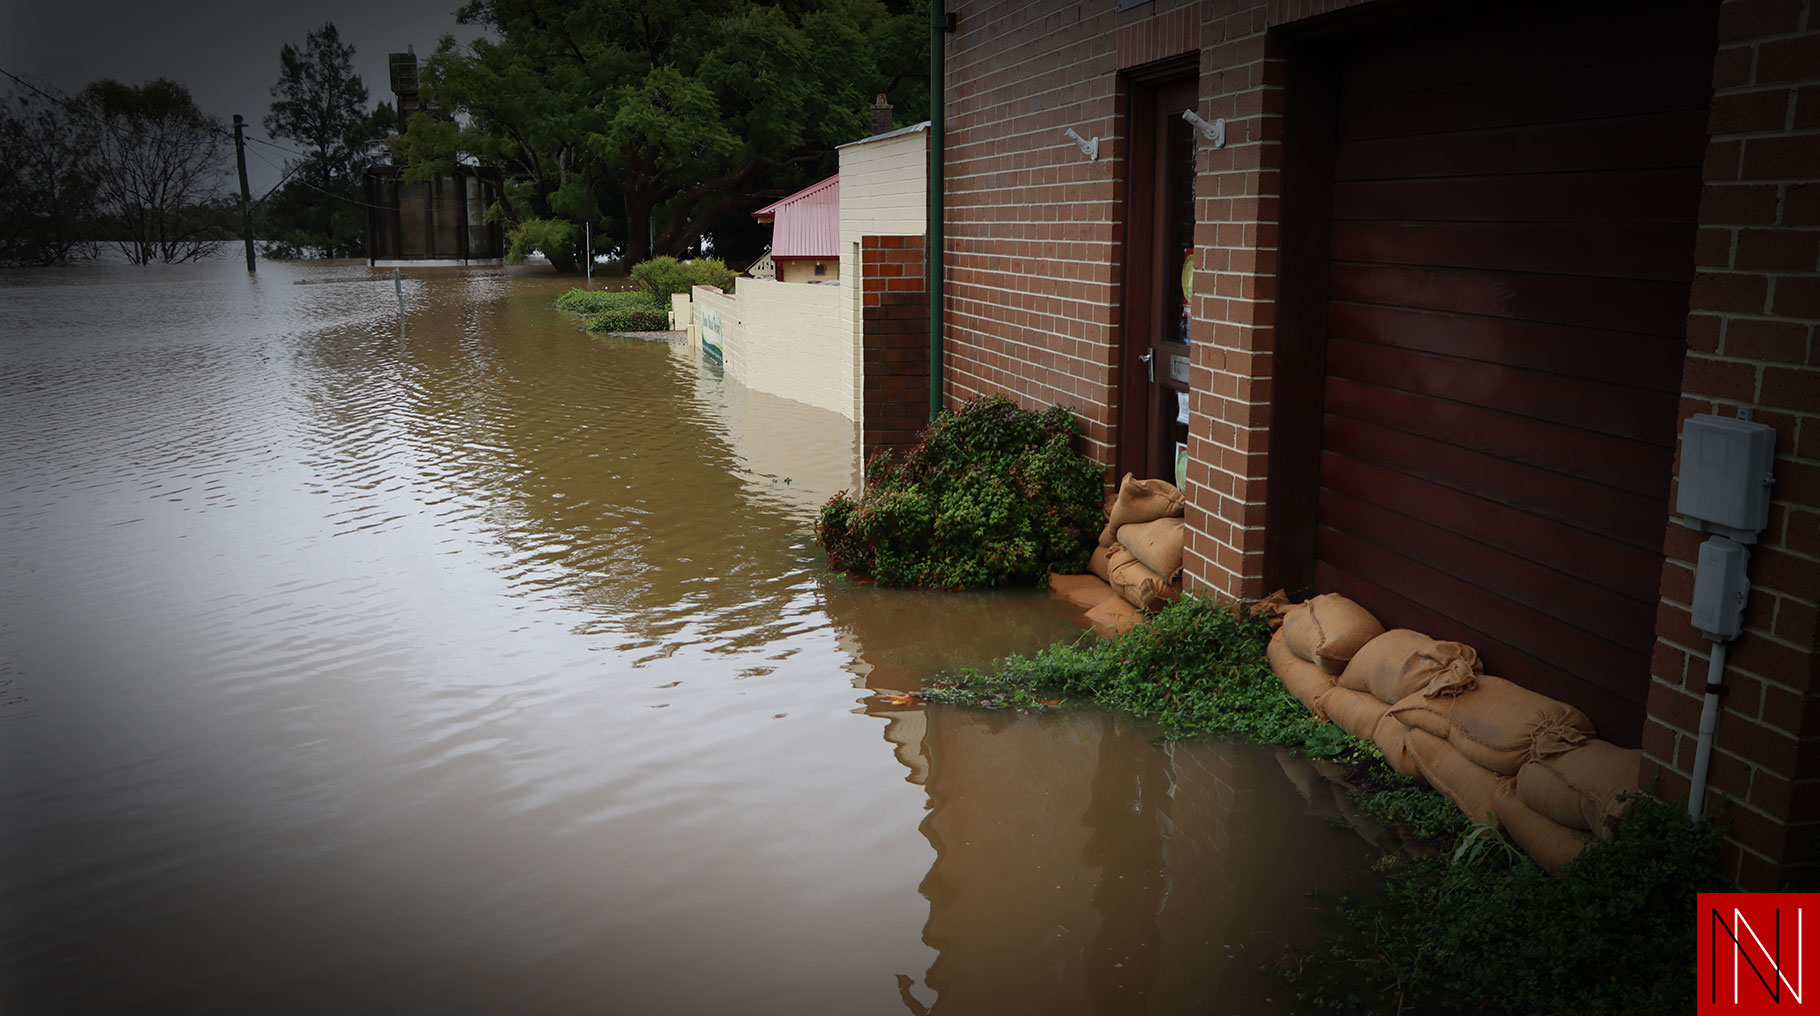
x: 486, y: 666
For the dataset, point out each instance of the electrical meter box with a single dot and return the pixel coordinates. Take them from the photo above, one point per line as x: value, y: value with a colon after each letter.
x: 1726, y: 468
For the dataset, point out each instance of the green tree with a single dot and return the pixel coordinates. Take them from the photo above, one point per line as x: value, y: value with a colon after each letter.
x: 159, y: 165
x: 320, y: 103
x: 684, y: 115
x: 47, y: 184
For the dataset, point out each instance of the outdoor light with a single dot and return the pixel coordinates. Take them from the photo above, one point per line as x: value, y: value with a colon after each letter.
x: 1091, y: 149
x: 1214, y: 132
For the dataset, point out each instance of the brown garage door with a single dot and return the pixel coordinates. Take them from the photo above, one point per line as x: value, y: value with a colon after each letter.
x: 1513, y: 200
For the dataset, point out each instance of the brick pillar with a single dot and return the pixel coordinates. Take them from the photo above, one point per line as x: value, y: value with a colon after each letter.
x: 1752, y: 342
x: 894, y: 342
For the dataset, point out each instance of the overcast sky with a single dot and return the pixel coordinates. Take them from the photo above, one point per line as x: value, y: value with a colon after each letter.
x: 225, y: 53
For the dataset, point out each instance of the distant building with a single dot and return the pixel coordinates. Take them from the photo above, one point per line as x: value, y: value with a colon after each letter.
x: 440, y: 221
x: 805, y: 233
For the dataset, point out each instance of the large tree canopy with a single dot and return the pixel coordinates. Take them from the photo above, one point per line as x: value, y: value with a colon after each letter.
x: 685, y: 115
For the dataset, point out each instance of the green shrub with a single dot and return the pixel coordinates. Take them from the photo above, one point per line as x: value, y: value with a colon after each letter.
x: 663, y: 276
x: 601, y: 301
x: 556, y: 239
x: 1488, y: 931
x: 991, y: 494
x: 631, y: 319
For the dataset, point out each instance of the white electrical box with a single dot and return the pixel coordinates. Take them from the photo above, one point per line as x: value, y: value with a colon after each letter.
x: 1726, y: 468
x: 1720, y: 589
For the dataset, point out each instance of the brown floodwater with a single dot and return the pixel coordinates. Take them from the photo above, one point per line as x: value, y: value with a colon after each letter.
x: 482, y: 665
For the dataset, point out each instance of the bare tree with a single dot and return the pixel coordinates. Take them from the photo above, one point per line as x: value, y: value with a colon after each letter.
x: 47, y: 183
x: 160, y: 166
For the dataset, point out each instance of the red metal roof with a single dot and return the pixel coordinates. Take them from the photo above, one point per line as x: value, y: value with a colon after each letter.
x: 806, y: 224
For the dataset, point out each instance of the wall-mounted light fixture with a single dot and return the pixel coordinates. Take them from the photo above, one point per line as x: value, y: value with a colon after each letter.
x: 1091, y: 149
x: 1214, y: 132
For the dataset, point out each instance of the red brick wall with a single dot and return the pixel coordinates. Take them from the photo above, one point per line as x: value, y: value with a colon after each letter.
x: 1752, y: 342
x: 894, y: 341
x: 1033, y: 241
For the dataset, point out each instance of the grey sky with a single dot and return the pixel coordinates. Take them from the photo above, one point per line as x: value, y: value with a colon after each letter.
x: 225, y: 53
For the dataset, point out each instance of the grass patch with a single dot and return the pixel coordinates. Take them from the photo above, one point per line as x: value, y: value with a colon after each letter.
x: 1196, y: 669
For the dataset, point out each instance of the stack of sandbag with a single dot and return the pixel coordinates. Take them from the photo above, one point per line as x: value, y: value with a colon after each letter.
x: 1140, y: 551
x: 1497, y: 749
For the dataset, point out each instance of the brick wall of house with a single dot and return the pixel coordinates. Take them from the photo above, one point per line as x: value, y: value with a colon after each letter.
x: 1033, y: 240
x: 1752, y: 342
x: 1034, y: 245
x: 894, y: 341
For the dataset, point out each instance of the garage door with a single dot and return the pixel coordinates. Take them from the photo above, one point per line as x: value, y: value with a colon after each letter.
x: 1512, y: 234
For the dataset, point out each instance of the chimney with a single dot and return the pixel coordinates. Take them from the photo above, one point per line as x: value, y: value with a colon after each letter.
x: 881, y: 115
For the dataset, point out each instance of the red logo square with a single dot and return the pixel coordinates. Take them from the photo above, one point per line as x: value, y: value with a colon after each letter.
x: 1755, y: 949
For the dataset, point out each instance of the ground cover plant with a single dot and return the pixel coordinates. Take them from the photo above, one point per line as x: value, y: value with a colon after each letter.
x: 624, y: 310
x: 991, y: 494
x: 1483, y: 929
x: 1471, y: 924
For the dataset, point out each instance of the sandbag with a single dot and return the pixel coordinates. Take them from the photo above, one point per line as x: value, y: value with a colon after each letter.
x: 1580, y: 788
x: 1271, y: 608
x: 1400, y: 663
x: 1499, y: 725
x: 1392, y: 738
x: 1140, y: 586
x: 1356, y: 712
x: 1084, y: 591
x: 1101, y: 563
x: 1329, y: 630
x: 1158, y: 544
x: 1472, y: 787
x: 1304, y: 680
x: 1113, y: 616
x: 1140, y: 501
x: 1549, y: 842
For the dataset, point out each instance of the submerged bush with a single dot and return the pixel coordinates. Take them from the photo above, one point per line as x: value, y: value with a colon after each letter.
x: 599, y: 301
x: 629, y: 310
x: 991, y: 494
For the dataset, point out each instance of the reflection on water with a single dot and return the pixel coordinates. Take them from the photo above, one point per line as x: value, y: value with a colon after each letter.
x: 482, y: 665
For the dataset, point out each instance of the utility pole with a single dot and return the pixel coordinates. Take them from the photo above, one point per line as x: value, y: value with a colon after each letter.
x: 246, y: 200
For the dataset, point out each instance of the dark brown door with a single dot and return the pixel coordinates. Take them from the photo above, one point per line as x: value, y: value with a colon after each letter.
x: 1510, y: 244
x: 1159, y: 209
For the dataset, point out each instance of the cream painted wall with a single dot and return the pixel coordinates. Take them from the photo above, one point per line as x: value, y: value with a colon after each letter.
x: 784, y: 339
x: 883, y: 192
x: 803, y: 341
x: 804, y: 271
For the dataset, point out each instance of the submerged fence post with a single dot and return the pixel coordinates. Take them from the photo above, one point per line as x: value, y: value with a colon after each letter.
x: 398, y: 287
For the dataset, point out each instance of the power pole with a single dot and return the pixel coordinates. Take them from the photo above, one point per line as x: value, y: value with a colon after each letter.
x: 246, y: 200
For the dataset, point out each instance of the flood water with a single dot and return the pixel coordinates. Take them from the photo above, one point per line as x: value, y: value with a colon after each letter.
x: 489, y: 666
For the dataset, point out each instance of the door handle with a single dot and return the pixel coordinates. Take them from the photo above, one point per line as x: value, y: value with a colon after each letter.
x: 1148, y: 359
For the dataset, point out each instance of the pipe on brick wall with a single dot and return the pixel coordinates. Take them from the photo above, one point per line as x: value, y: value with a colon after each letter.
x: 938, y: 29
x: 1709, y: 723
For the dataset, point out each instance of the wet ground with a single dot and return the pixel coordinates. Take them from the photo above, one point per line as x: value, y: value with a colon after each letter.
x: 482, y: 665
